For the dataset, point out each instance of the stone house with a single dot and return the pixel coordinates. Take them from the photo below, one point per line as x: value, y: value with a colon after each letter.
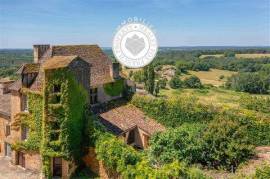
x: 92, y: 70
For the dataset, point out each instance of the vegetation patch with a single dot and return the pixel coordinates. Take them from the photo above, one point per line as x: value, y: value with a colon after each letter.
x: 115, y: 88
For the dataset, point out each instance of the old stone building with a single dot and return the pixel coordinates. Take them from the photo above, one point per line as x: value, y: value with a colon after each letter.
x: 39, y: 111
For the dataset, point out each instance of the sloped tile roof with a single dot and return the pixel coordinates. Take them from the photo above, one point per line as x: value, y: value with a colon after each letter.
x: 127, y: 116
x: 58, y: 62
x: 93, y: 54
x: 31, y: 68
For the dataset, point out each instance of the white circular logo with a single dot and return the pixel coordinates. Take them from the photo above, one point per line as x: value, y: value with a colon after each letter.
x: 135, y: 45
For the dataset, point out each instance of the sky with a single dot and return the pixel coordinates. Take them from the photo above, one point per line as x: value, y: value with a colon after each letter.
x: 176, y: 22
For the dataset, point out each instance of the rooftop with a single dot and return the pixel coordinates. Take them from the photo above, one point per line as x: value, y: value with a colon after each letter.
x: 93, y: 54
x: 124, y: 117
x: 58, y: 62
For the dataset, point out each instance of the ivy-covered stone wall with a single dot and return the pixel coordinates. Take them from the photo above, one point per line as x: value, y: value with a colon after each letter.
x: 65, y: 101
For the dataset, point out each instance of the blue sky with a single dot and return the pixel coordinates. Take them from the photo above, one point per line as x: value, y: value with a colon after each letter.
x: 176, y: 22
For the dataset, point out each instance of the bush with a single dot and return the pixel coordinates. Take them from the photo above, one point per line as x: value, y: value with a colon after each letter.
x: 174, y: 112
x: 260, y: 104
x: 163, y: 83
x: 249, y: 82
x: 226, y: 144
x: 175, y: 83
x: 182, y: 143
x: 263, y: 172
x: 129, y: 163
x: 192, y: 82
x: 138, y: 76
x: 115, y: 88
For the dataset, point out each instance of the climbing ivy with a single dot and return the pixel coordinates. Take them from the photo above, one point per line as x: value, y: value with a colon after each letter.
x: 115, y: 88
x: 32, y: 120
x: 64, y: 119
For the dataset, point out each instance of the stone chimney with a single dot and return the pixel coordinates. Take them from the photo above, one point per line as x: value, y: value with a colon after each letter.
x: 39, y: 51
x: 116, y: 68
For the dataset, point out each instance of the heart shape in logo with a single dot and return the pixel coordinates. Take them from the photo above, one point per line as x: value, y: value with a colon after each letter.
x: 135, y: 44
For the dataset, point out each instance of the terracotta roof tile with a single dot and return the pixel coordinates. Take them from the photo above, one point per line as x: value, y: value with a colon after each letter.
x: 58, y: 62
x: 31, y: 68
x: 101, y: 64
x: 127, y: 116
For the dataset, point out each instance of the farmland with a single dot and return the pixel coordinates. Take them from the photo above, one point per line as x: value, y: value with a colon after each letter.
x: 215, y: 77
x: 239, y: 55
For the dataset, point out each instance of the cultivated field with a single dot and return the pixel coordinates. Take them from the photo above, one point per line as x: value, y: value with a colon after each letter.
x: 212, y: 76
x: 217, y: 56
x: 255, y: 55
x: 244, y: 55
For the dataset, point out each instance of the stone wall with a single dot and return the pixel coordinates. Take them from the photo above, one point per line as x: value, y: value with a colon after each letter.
x: 97, y: 166
x: 3, y: 123
x: 33, y: 161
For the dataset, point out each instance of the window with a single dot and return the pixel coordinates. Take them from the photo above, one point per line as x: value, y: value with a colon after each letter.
x: 93, y: 96
x: 25, y: 132
x: 57, y: 167
x: 56, y: 88
x: 7, y: 130
x: 24, y: 103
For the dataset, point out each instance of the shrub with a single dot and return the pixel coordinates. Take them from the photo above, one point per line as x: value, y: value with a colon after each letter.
x: 226, y: 144
x: 129, y: 163
x: 260, y: 104
x: 263, y: 172
x: 175, y: 83
x: 249, y: 82
x: 115, y: 88
x: 174, y: 112
x: 192, y: 82
x: 183, y: 143
x: 163, y: 83
x: 138, y: 76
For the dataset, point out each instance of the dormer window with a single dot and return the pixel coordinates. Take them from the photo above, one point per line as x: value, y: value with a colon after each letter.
x: 24, y: 103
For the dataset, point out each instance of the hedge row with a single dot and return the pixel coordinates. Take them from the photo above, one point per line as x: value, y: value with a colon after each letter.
x: 174, y: 112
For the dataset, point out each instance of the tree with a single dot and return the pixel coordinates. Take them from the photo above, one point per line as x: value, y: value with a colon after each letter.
x: 182, y: 67
x: 163, y: 83
x: 229, y: 54
x: 192, y: 82
x: 226, y: 143
x: 175, y: 82
x: 157, y: 87
x: 149, y: 78
x: 249, y: 82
